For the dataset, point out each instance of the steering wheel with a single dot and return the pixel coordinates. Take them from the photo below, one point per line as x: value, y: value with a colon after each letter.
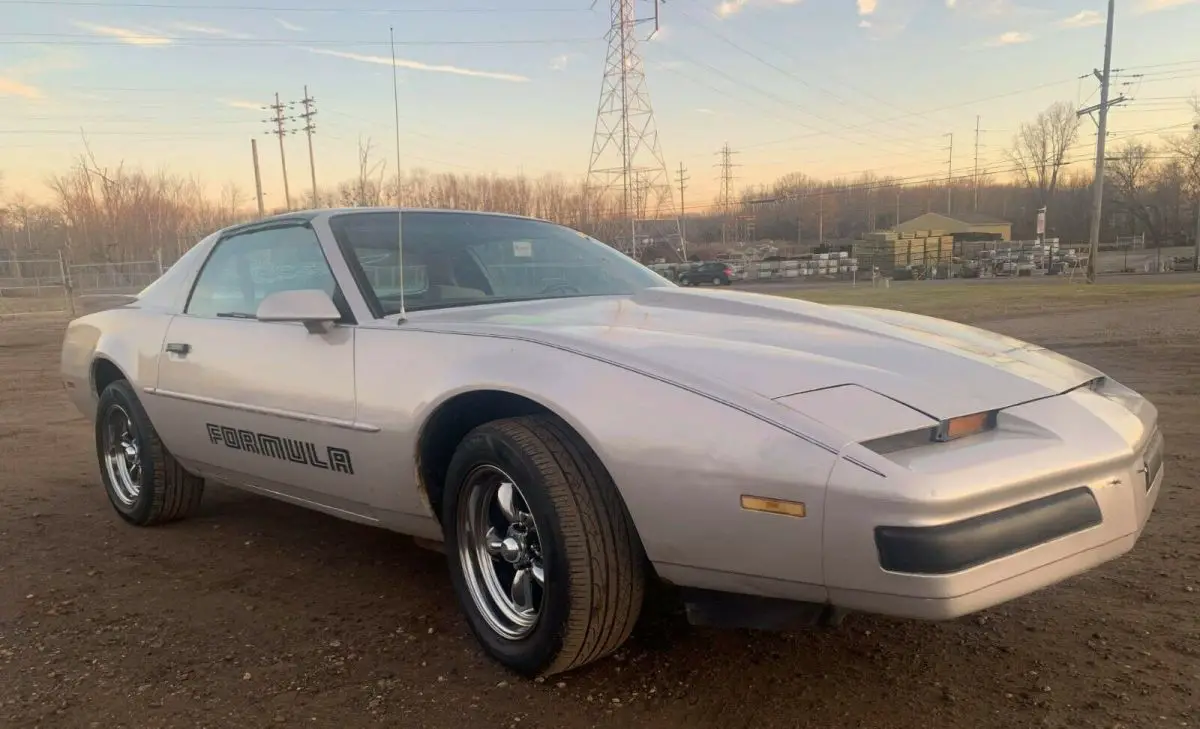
x: 560, y: 287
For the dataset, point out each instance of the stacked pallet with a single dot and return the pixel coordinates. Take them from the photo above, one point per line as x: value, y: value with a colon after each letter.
x: 887, y: 250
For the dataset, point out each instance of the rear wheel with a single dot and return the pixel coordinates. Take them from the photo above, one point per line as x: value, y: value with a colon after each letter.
x: 716, y: 281
x: 543, y: 556
x: 144, y: 483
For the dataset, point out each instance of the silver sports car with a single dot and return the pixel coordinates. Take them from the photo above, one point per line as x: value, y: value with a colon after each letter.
x: 570, y: 426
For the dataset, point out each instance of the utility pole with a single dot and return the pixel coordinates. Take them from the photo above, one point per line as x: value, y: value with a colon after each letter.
x: 800, y: 217
x: 257, y: 177
x: 897, y: 226
x: 308, y: 129
x: 1098, y: 183
x: 1196, y: 255
x: 950, y: 176
x: 975, y: 175
x: 726, y: 195
x: 821, y: 219
x: 280, y: 131
x: 683, y: 179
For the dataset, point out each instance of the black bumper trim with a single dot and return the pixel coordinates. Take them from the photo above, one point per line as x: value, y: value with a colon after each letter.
x: 948, y: 548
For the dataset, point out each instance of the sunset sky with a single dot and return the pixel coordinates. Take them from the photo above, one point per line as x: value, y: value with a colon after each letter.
x: 826, y: 87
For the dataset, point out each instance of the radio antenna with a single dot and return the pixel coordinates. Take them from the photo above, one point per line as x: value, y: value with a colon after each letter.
x: 399, y: 207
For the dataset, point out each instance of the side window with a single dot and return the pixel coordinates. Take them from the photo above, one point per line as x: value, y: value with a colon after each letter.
x: 244, y: 269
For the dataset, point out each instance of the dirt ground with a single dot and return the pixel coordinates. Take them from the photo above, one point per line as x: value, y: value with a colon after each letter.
x: 261, y: 614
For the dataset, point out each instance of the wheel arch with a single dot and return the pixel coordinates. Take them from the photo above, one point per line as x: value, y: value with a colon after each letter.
x: 450, y: 421
x: 104, y: 372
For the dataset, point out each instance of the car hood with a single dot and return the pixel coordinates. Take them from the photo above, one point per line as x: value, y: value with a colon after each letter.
x: 773, y: 346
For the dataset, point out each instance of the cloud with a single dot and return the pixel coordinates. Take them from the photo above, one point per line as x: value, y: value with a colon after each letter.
x: 1153, y: 6
x: 558, y: 63
x: 1010, y: 9
x: 419, y: 66
x: 239, y: 104
x: 1011, y: 38
x: 731, y: 7
x: 202, y: 29
x: 867, y: 7
x: 49, y: 60
x: 1083, y: 19
x: 290, y: 26
x: 13, y: 87
x: 145, y: 37
x: 705, y: 111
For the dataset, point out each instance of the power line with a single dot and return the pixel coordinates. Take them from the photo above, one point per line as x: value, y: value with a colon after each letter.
x: 994, y: 97
x: 90, y: 39
x: 796, y: 77
x: 290, y: 8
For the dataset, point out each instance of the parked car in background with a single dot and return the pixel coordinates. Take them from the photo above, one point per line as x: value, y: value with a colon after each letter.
x: 709, y: 272
x: 570, y: 425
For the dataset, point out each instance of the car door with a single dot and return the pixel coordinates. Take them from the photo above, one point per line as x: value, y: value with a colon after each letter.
x: 265, y: 405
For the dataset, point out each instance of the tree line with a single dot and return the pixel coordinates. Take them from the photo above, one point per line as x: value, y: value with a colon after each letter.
x: 100, y: 213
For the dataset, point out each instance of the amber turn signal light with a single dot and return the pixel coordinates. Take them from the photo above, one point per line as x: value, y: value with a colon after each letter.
x: 965, y: 425
x: 774, y: 506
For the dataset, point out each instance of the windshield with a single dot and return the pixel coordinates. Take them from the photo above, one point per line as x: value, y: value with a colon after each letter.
x: 459, y: 259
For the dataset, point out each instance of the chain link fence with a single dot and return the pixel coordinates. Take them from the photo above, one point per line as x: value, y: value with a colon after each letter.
x: 51, y: 286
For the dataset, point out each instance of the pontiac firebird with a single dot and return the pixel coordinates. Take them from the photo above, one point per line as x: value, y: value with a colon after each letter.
x: 567, y: 425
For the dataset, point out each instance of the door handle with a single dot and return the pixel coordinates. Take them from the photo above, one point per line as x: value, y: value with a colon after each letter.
x: 179, y: 348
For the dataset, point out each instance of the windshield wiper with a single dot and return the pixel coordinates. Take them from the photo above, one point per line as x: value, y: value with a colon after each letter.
x: 234, y: 315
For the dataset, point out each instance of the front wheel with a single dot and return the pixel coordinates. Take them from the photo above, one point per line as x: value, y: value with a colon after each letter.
x: 544, y: 558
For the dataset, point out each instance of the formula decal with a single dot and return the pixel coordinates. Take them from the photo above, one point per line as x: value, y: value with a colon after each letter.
x: 302, y: 452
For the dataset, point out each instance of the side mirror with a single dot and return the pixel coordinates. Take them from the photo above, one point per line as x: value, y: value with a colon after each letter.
x: 311, y: 307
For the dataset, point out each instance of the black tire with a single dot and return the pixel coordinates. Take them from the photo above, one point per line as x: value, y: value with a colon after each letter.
x: 167, y: 492
x: 594, y: 564
x: 716, y: 281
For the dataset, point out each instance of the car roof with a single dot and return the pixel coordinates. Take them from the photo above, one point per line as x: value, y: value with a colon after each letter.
x: 309, y: 215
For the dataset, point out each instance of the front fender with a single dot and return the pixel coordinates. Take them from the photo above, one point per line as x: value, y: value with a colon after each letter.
x: 681, y: 460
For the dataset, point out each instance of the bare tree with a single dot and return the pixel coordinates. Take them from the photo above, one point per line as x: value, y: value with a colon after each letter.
x: 1039, y: 149
x: 1132, y: 175
x: 366, y: 190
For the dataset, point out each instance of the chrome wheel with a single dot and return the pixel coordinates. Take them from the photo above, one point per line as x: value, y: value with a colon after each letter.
x: 500, y: 552
x: 122, y: 457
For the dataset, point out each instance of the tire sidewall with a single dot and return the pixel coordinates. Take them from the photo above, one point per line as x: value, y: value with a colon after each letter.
x: 121, y: 394
x: 535, y: 652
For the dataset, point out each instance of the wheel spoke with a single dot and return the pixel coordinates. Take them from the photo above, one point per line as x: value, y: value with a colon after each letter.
x: 538, y: 572
x: 506, y: 498
x: 522, y: 590
x: 493, y: 542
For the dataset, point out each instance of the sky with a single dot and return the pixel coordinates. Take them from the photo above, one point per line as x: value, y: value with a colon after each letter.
x: 824, y: 87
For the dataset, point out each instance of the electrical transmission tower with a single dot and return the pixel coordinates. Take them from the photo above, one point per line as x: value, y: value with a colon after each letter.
x: 725, y: 196
x: 308, y: 129
x: 627, y: 166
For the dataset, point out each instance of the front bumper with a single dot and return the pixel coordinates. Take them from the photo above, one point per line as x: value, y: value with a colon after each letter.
x: 940, y: 558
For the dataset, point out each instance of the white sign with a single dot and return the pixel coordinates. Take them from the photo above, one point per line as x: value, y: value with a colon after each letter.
x: 1041, y: 228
